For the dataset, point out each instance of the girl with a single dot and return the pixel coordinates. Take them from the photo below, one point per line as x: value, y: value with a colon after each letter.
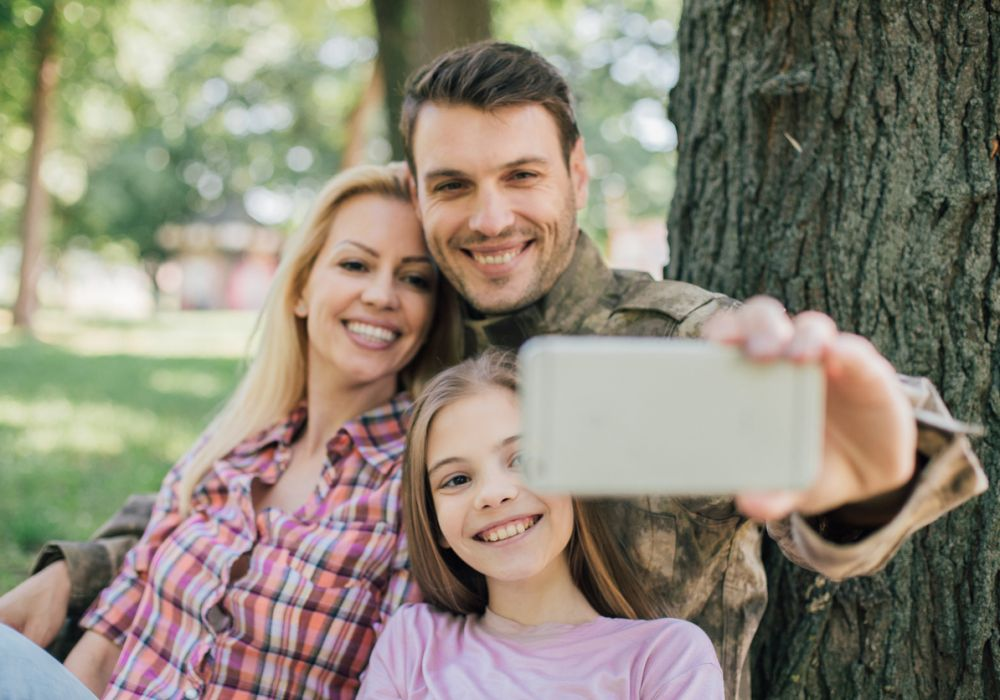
x: 528, y: 596
x: 274, y: 552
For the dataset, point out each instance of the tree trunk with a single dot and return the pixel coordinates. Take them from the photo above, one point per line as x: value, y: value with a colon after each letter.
x: 843, y: 156
x: 35, y: 216
x: 412, y: 33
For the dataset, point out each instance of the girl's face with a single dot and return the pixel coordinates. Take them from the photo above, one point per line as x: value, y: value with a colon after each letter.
x: 486, y: 515
x: 369, y: 298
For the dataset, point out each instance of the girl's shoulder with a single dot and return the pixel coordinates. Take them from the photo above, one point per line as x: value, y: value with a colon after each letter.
x: 411, y: 617
x: 665, y: 636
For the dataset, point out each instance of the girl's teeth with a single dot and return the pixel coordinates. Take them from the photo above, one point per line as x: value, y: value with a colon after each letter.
x: 502, y: 533
x: 499, y: 259
x: 371, y: 332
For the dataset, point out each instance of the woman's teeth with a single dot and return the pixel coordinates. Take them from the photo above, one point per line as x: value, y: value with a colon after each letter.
x: 374, y: 333
x: 509, y: 530
x: 497, y: 258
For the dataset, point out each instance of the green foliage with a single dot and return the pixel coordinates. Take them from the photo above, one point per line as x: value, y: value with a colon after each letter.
x: 206, y: 110
x: 620, y: 58
x: 81, y: 431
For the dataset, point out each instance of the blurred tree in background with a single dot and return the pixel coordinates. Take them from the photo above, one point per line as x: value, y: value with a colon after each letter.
x: 179, y: 111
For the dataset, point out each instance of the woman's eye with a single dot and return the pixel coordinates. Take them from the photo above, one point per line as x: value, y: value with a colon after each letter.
x: 456, y: 480
x: 515, y: 461
x: 418, y: 281
x: 353, y: 265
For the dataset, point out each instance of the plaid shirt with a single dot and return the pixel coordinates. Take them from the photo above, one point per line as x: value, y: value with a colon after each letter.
x: 319, y: 582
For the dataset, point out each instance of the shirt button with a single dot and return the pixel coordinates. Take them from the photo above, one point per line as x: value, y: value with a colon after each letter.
x: 191, y: 694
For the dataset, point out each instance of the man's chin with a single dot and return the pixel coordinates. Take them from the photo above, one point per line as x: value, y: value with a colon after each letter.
x: 499, y: 301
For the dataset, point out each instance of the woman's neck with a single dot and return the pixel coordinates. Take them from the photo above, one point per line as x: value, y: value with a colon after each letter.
x: 331, y: 402
x: 551, y: 596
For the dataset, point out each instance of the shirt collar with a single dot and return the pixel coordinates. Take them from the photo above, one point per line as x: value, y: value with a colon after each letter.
x: 377, y: 434
x: 576, y: 293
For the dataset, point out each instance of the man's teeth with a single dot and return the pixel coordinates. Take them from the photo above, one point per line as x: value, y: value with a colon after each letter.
x: 497, y: 258
x: 508, y: 530
x: 376, y: 333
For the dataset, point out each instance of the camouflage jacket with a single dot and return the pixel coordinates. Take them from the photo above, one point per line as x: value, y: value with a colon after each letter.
x: 699, y: 557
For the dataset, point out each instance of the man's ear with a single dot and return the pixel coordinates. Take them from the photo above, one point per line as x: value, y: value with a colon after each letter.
x: 578, y: 173
x: 411, y: 182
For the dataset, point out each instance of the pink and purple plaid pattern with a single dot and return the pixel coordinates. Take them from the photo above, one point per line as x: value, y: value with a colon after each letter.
x: 319, y: 582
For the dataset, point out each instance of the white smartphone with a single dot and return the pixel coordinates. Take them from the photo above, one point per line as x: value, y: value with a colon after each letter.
x: 633, y: 416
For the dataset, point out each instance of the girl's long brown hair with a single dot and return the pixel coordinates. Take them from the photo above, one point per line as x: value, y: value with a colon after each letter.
x: 599, y: 566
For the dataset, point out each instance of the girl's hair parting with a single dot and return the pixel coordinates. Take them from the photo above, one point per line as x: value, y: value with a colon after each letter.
x: 597, y: 561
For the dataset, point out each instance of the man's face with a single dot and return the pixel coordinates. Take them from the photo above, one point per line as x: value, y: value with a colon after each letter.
x: 497, y: 200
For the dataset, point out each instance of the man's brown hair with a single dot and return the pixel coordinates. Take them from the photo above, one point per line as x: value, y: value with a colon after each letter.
x: 489, y: 75
x: 599, y: 567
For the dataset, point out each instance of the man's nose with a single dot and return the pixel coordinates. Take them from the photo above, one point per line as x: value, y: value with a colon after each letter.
x: 380, y: 291
x: 493, y: 214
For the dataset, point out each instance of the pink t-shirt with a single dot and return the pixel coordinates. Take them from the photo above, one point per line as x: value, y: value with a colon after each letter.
x: 424, y: 653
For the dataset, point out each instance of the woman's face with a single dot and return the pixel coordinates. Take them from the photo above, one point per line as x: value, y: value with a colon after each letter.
x: 369, y: 298
x: 486, y: 515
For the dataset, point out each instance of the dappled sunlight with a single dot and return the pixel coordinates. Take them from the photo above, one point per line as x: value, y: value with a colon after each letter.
x: 186, y: 382
x: 177, y: 334
x: 48, y: 425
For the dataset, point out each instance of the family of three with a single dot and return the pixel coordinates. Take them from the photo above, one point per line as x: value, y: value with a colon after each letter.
x: 319, y: 502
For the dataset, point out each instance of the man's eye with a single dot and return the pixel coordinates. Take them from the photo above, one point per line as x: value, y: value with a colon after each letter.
x: 448, y: 186
x: 522, y: 175
x: 456, y: 480
x: 353, y: 265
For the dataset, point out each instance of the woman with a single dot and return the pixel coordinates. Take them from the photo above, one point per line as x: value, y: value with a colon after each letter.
x: 528, y: 594
x: 274, y: 551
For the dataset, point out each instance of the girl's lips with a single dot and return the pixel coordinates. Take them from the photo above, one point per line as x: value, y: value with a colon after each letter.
x: 507, y: 529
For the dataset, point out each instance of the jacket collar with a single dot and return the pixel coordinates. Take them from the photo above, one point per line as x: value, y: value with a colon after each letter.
x: 575, y: 295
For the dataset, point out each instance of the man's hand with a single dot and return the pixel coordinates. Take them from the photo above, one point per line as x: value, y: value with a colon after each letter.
x: 870, y: 436
x: 37, y: 607
x: 93, y: 661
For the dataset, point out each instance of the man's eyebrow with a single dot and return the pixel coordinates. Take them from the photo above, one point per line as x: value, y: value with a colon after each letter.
x: 374, y: 253
x: 517, y: 163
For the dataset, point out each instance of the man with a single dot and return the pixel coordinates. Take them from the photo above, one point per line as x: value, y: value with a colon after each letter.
x: 499, y: 173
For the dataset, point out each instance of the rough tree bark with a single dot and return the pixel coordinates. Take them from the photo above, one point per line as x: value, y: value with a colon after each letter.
x: 35, y: 216
x: 411, y: 32
x: 843, y: 156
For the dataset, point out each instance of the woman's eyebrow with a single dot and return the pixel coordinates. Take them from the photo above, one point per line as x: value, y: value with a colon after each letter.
x: 374, y: 253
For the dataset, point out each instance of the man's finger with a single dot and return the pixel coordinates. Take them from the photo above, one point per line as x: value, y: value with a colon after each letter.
x: 814, y: 334
x: 766, y: 328
x: 772, y: 505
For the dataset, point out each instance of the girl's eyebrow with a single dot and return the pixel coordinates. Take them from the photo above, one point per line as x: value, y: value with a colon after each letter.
x: 450, y: 460
x: 442, y: 463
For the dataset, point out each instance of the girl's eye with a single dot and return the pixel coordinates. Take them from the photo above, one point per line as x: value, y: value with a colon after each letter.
x: 515, y: 461
x: 353, y: 265
x: 456, y: 480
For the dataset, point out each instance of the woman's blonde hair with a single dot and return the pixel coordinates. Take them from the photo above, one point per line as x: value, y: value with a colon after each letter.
x: 275, y: 380
x: 597, y: 563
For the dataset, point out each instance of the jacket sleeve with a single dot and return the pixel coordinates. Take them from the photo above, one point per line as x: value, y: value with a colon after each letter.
x: 93, y: 564
x: 948, y: 474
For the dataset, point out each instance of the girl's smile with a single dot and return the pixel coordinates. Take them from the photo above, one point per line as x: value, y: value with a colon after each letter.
x: 485, y: 514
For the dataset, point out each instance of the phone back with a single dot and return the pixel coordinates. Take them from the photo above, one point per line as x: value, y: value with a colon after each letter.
x: 634, y: 416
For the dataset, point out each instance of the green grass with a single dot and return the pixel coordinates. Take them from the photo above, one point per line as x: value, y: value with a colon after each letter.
x: 91, y: 412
